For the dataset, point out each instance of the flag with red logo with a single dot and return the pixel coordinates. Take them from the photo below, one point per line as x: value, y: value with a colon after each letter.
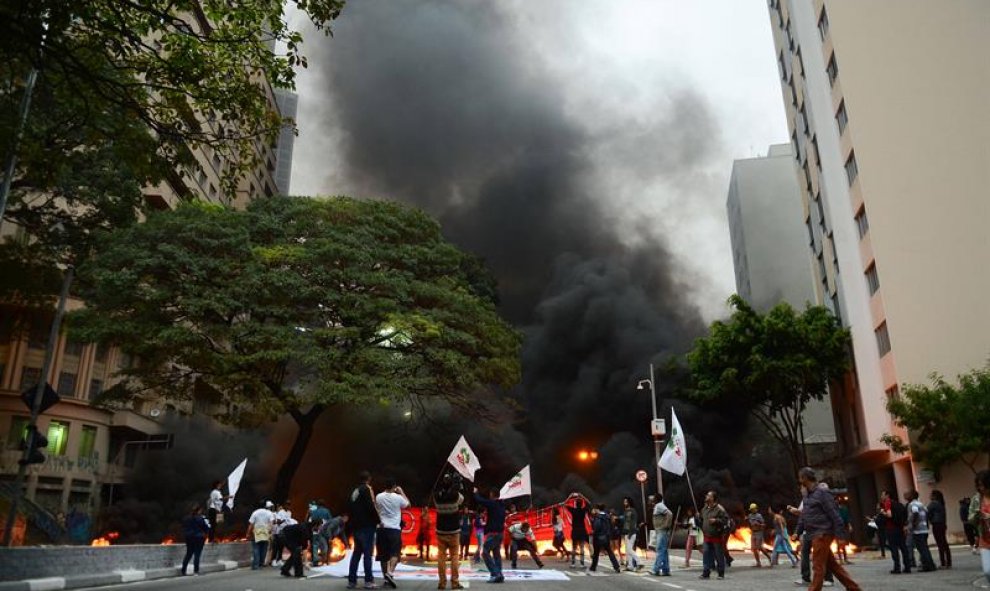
x: 517, y: 486
x: 674, y: 458
x: 463, y: 459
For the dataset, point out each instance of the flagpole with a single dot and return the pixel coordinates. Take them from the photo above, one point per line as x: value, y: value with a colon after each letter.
x: 694, y: 499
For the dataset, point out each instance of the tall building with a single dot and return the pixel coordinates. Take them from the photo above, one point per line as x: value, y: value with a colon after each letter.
x: 769, y: 253
x: 885, y: 102
x: 288, y: 105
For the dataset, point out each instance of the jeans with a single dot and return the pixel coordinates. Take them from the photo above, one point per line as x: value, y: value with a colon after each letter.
x: 278, y: 546
x: 944, y: 553
x: 782, y: 546
x: 294, y: 564
x: 448, y: 545
x: 598, y: 545
x: 985, y: 560
x: 662, y: 562
x: 492, y: 554
x: 882, y: 540
x: 632, y: 561
x: 924, y: 553
x: 364, y: 547
x: 909, y: 544
x: 898, y: 550
x: 712, y: 557
x: 806, y: 561
x: 321, y: 547
x: 479, y: 535
x: 194, y: 549
x: 260, y: 551
x: 824, y: 561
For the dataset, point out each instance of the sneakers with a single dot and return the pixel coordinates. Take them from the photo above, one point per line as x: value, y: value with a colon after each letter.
x: 828, y: 584
x: 389, y: 581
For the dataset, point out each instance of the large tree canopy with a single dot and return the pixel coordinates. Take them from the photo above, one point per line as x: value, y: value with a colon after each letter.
x: 294, y: 306
x: 772, y: 365
x: 947, y: 423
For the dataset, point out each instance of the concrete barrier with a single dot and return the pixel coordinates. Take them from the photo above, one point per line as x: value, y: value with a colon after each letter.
x: 73, y: 567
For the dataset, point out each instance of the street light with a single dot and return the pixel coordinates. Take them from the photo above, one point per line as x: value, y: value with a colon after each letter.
x: 657, y: 428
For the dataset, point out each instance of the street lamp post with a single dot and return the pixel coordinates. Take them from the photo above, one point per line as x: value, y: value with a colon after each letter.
x: 656, y: 427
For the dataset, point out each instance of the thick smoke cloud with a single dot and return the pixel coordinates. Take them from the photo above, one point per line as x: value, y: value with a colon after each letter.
x: 451, y: 107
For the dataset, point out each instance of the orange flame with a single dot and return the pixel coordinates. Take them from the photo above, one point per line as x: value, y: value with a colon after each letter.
x: 167, y: 541
x: 741, y: 539
x: 106, y: 540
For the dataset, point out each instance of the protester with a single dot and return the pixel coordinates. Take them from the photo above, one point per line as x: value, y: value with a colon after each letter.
x: 283, y: 514
x: 781, y: 539
x: 714, y: 524
x: 195, y: 528
x: 214, y: 509
x: 317, y: 517
x: 295, y: 536
x: 937, y: 519
x: 918, y: 524
x: 579, y: 531
x: 423, y: 540
x: 364, y: 519
x: 601, y: 525
x: 630, y: 526
x: 968, y: 528
x: 908, y: 533
x: 880, y: 519
x: 615, y: 534
x: 448, y: 501
x: 820, y: 519
x: 494, y: 524
x: 390, y: 503
x: 756, y: 527
x: 259, y: 532
x: 558, y: 535
x: 523, y: 538
x: 980, y: 518
x: 691, y: 524
x: 479, y: 533
x: 663, y: 519
x: 843, y: 539
x: 805, y: 539
x: 337, y: 530
x: 465, y: 538
x: 896, y: 519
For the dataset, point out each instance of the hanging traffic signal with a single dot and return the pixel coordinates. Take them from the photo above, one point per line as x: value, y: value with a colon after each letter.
x: 33, y: 441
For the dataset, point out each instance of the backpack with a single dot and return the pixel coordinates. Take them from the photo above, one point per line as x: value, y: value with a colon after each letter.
x: 728, y: 526
x: 898, y: 514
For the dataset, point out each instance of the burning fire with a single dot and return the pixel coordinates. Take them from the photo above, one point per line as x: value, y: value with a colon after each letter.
x: 105, y: 540
x: 167, y: 541
x: 740, y: 541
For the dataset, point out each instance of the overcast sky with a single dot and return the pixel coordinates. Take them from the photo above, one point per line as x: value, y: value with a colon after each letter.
x: 663, y: 93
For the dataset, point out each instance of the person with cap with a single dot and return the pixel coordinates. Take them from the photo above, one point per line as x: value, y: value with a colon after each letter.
x: 259, y: 531
x: 756, y: 528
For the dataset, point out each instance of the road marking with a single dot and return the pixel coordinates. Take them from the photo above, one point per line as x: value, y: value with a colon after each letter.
x: 672, y: 585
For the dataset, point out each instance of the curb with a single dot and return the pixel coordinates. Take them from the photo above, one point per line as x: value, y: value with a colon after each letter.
x: 114, y: 578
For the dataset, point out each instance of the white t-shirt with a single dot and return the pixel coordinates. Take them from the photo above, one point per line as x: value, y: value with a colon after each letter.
x: 390, y: 506
x: 216, y: 500
x: 284, y: 517
x: 262, y: 518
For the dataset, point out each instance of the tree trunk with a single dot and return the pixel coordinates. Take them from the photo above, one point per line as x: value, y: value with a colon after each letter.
x: 287, y: 471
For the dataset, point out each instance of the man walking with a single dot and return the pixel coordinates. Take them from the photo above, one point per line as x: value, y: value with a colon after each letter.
x: 756, y: 527
x: 714, y: 524
x: 820, y: 519
x: 630, y: 527
x: 663, y: 519
x: 448, y: 501
x: 390, y: 503
x: 364, y: 518
x: 601, y: 530
x: 259, y: 531
x: 492, y: 548
x: 918, y: 517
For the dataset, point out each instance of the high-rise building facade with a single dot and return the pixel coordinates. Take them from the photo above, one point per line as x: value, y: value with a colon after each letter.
x: 770, y: 256
x: 886, y: 106
x: 288, y: 106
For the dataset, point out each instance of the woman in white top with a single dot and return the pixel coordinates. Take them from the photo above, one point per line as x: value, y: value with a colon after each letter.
x: 691, y: 524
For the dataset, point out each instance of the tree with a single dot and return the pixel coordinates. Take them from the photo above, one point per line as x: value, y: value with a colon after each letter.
x: 947, y: 423
x: 771, y: 365
x: 296, y: 306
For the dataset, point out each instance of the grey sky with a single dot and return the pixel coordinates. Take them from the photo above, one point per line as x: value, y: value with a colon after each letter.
x: 658, y: 97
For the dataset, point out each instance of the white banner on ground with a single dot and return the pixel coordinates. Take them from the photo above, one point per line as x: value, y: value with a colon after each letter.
x: 517, y: 486
x: 409, y: 572
x: 234, y: 482
x: 674, y: 458
x: 463, y: 460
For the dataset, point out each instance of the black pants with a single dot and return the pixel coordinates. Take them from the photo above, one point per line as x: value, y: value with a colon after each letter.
x: 526, y: 545
x: 294, y: 563
x: 211, y: 516
x: 944, y: 553
x: 882, y: 541
x: 278, y: 545
x: 898, y: 549
x: 597, y: 546
x: 194, y: 549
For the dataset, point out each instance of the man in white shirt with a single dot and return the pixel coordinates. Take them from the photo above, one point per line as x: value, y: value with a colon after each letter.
x: 390, y: 503
x: 214, y: 510
x: 283, y: 517
x: 259, y: 532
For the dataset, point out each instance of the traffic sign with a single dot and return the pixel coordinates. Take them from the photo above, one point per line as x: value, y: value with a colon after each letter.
x: 642, y: 476
x: 49, y: 397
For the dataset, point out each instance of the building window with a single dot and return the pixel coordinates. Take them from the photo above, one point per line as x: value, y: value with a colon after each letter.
x: 58, y: 437
x: 18, y: 431
x: 883, y: 339
x: 872, y: 279
x: 841, y: 118
x: 800, y: 61
x: 30, y: 376
x: 95, y: 388
x: 804, y: 120
x: 87, y: 443
x: 823, y: 24
x: 74, y: 348
x: 811, y: 232
x: 814, y: 151
x: 101, y: 353
x: 66, y: 384
x: 38, y: 336
x: 835, y: 307
x: 852, y: 170
x: 781, y: 65
x: 862, y: 223
x: 821, y: 214
x: 832, y: 69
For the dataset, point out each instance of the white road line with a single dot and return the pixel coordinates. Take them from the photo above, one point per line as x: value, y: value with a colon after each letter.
x: 672, y: 585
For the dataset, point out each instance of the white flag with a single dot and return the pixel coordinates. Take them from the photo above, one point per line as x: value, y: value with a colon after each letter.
x: 463, y: 460
x: 517, y: 486
x: 674, y: 458
x: 234, y: 482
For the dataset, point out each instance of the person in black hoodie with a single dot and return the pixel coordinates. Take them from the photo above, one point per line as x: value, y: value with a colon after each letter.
x: 364, y: 520
x: 601, y: 530
x: 195, y: 527
x: 296, y: 537
x: 494, y: 526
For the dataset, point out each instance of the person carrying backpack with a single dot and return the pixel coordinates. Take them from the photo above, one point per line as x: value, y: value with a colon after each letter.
x: 601, y: 531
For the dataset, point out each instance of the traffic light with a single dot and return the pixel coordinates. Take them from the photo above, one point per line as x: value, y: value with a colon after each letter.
x: 33, y: 440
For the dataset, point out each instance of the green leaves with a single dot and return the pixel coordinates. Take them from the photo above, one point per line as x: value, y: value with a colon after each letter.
x: 946, y: 422
x: 296, y: 302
